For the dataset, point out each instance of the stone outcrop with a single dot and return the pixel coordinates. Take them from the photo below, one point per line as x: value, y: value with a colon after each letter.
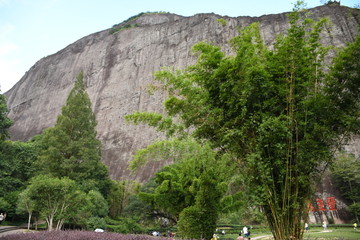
x: 119, y: 66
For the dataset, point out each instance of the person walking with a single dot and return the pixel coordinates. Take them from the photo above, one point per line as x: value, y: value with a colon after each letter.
x: 2, y: 217
x: 324, y: 226
x: 245, y: 231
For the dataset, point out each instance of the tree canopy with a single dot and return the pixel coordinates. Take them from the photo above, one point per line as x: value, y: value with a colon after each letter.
x: 57, y: 199
x: 15, y: 164
x: 70, y: 148
x: 278, y: 113
x: 195, y: 183
x: 5, y: 122
x: 346, y: 173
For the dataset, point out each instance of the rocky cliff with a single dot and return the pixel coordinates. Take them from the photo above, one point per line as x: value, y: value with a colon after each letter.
x: 119, y: 66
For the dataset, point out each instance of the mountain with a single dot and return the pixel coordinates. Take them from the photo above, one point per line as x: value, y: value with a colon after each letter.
x: 118, y: 64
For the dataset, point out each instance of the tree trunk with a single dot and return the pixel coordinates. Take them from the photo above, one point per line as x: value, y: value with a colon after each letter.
x: 29, y: 220
x: 49, y: 221
x: 59, y: 224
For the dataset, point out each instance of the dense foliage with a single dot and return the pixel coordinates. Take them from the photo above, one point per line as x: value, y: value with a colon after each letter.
x: 277, y: 112
x: 56, y: 199
x: 194, y: 184
x: 346, y: 174
x: 264, y: 122
x: 15, y: 170
x: 5, y: 122
x: 70, y: 148
x: 70, y: 183
x: 15, y: 164
x: 344, y: 82
x: 118, y: 197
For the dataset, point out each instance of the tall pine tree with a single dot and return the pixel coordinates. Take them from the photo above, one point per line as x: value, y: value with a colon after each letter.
x: 70, y: 148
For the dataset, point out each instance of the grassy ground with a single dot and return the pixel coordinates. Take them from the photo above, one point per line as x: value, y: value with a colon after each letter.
x: 315, y: 233
x: 343, y: 233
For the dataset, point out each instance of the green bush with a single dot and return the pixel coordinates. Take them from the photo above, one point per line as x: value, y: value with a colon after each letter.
x: 189, y: 225
x: 122, y: 27
x: 355, y: 209
x: 95, y: 222
x: 222, y: 21
x: 124, y: 225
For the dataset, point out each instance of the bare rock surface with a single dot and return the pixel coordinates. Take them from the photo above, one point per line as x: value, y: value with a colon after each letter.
x: 118, y: 67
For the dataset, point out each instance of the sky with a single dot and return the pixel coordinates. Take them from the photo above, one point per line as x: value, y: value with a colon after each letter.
x: 33, y: 29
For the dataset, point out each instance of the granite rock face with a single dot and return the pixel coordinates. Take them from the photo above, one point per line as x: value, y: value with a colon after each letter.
x: 118, y: 67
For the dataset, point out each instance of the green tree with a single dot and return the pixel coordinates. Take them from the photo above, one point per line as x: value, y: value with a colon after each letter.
x: 275, y: 112
x: 26, y: 204
x: 139, y: 208
x: 199, y: 220
x: 16, y: 165
x: 195, y: 182
x: 93, y: 206
x: 57, y: 199
x: 343, y: 88
x: 15, y: 171
x: 346, y: 173
x: 95, y: 222
x: 115, y: 198
x: 70, y: 148
x: 118, y: 198
x: 5, y: 122
x: 97, y: 206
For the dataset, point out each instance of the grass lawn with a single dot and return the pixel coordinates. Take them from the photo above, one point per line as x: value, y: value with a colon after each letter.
x: 315, y: 233
x: 343, y: 233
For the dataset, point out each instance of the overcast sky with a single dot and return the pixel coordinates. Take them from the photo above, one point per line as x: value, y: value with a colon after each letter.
x: 33, y: 29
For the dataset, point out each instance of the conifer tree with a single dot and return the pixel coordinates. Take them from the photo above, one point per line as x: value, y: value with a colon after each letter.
x: 70, y: 148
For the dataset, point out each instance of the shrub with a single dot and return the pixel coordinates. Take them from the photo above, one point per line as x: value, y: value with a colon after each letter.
x: 125, y: 24
x: 188, y: 224
x: 123, y: 27
x: 95, y: 222
x: 222, y: 21
x: 124, y: 225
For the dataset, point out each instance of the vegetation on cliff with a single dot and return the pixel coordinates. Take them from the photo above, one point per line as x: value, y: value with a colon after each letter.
x: 127, y: 25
